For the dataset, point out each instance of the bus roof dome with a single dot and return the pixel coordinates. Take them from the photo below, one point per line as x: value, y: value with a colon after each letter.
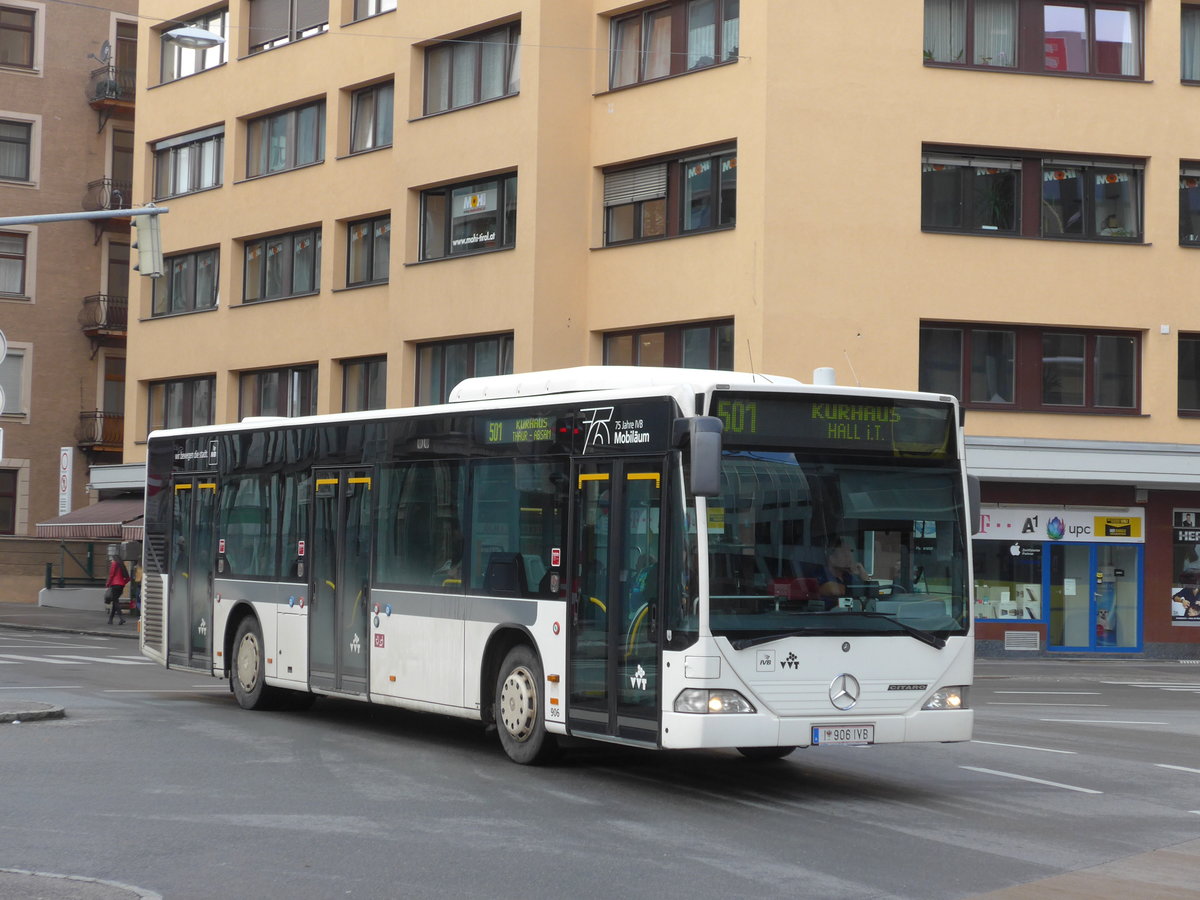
x: 600, y: 378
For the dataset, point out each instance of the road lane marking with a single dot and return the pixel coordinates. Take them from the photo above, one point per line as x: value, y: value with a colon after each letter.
x: 39, y: 659
x: 1067, y: 787
x: 1022, y: 747
x: 112, y: 660
x: 1178, y: 684
x: 161, y: 690
x: 1178, y: 768
x: 44, y: 687
x: 1054, y: 693
x: 1031, y: 703
x: 1099, y: 721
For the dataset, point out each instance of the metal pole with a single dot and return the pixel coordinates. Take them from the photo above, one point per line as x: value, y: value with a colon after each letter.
x: 85, y: 216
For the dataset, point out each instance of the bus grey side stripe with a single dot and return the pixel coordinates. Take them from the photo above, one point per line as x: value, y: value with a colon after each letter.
x: 470, y: 608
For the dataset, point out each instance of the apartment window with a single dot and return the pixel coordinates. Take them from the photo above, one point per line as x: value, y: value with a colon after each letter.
x: 371, y: 117
x: 286, y: 140
x: 17, y: 37
x: 179, y: 62
x: 1189, y: 46
x: 364, y: 9
x: 473, y: 68
x: 1189, y: 204
x: 189, y: 283
x: 283, y: 265
x: 367, y: 249
x: 274, y: 23
x: 189, y: 163
x: 671, y: 197
x: 290, y: 391
x: 14, y: 261
x: 468, y: 218
x: 676, y: 37
x: 182, y: 403
x: 1032, y: 368
x: 1080, y: 37
x: 8, y: 501
x: 696, y: 345
x: 1189, y: 374
x: 364, y: 383
x: 1079, y: 199
x: 16, y: 142
x: 443, y: 365
x: 14, y: 380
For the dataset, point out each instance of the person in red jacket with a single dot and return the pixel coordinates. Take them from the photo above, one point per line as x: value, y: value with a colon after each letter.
x: 118, y: 577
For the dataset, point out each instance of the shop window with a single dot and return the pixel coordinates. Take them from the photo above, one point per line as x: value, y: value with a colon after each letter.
x: 181, y: 403
x: 442, y: 365
x: 1008, y: 580
x: 1185, y: 591
x: 1078, y: 37
x: 1032, y: 368
x: 676, y: 37
x: 473, y: 68
x: 697, y: 345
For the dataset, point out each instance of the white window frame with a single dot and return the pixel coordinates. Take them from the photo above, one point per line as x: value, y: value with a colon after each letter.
x: 24, y: 350
x: 35, y: 147
x: 31, y: 236
x: 39, y: 38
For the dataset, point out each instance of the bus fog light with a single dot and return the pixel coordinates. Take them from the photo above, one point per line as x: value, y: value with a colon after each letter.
x: 700, y: 700
x: 947, y: 698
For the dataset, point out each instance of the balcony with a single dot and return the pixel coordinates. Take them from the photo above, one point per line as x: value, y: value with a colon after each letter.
x: 104, y: 316
x: 108, y: 193
x: 110, y: 92
x: 100, y: 432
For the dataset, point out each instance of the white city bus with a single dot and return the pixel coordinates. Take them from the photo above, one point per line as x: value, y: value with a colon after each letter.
x: 653, y: 557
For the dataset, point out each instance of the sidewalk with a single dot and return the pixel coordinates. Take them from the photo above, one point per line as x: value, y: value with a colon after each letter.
x: 80, y: 621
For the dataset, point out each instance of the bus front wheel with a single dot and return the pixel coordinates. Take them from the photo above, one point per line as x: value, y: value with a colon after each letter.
x: 519, y: 708
x: 249, y: 667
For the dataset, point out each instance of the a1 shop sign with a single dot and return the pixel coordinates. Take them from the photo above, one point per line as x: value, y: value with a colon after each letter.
x: 1117, y: 525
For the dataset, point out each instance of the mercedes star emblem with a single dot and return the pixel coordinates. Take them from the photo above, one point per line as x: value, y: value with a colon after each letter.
x: 844, y: 691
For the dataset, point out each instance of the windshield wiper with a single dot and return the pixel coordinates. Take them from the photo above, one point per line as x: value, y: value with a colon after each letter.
x: 921, y: 635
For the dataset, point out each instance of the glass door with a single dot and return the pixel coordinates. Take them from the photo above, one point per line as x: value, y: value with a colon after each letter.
x: 614, y: 599
x: 340, y: 576
x: 1094, y: 596
x: 190, y: 588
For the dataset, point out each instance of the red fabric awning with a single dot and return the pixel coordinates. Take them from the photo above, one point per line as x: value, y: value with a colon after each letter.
x: 114, y: 520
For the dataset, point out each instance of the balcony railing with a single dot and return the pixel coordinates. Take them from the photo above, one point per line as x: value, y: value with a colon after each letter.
x: 100, y: 430
x: 110, y: 84
x: 107, y: 193
x: 104, y: 314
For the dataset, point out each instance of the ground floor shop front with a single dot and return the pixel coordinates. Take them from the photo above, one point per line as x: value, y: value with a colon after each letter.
x: 1107, y: 567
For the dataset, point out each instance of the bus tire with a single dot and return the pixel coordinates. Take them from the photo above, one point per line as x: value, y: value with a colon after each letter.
x: 519, y: 708
x: 764, y: 754
x: 250, y: 667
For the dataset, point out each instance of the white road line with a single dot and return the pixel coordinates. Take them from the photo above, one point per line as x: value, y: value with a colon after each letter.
x: 1022, y: 747
x: 1099, y: 721
x: 1195, y: 812
x: 1178, y: 768
x: 161, y: 690
x: 1067, y: 787
x: 112, y: 660
x: 1054, y: 693
x: 1032, y: 703
x: 1192, y: 684
x: 39, y: 659
x: 44, y: 687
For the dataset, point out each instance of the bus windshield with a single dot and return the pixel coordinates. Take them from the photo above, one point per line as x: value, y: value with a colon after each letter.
x: 836, y: 544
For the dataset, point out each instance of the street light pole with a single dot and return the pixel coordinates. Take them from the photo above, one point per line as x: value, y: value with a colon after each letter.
x: 85, y: 216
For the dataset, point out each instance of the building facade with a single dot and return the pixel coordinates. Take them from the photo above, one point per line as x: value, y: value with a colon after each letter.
x: 371, y: 199
x: 67, y: 88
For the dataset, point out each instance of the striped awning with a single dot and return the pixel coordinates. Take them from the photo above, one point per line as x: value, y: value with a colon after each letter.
x: 113, y: 520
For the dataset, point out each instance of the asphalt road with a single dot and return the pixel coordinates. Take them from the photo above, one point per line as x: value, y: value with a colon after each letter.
x: 1084, y: 776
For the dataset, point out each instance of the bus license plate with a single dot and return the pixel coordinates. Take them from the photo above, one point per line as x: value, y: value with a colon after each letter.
x: 843, y: 734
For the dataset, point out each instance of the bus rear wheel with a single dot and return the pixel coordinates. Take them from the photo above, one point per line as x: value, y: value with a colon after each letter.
x: 764, y: 754
x: 249, y: 667
x: 519, y: 708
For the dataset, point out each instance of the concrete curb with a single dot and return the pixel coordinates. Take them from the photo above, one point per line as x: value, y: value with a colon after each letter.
x: 29, y: 711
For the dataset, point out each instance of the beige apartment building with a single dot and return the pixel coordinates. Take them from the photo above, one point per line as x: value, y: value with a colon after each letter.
x: 67, y: 91
x: 371, y: 199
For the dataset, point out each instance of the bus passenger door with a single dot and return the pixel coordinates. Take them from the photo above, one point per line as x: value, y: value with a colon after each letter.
x: 340, y: 575
x: 190, y: 592
x: 615, y: 589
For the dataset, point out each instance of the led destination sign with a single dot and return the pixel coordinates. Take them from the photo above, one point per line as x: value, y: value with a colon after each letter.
x: 519, y: 430
x: 875, y: 425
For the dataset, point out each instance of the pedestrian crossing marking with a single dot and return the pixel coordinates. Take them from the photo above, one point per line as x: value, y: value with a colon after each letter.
x: 64, y: 659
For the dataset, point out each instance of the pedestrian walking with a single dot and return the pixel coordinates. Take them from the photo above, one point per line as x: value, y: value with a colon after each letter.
x: 118, y: 577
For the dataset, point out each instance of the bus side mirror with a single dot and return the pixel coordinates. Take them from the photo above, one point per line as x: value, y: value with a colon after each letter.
x: 704, y: 440
x: 975, y: 503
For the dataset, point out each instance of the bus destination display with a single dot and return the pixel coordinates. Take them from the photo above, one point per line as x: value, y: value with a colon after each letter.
x: 876, y: 425
x: 519, y: 430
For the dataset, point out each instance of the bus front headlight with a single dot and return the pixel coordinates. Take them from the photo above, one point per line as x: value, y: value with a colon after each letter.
x: 948, y: 698
x: 708, y: 700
